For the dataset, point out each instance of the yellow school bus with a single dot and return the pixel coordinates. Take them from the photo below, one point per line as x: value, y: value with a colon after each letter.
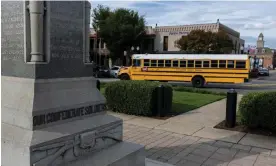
x: 199, y: 69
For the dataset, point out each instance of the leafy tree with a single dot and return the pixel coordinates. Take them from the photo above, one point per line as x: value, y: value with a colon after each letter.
x: 120, y: 29
x: 99, y: 15
x: 224, y: 43
x: 201, y: 42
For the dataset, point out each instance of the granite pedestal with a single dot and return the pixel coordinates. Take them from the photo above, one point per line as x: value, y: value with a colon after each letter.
x: 52, y: 112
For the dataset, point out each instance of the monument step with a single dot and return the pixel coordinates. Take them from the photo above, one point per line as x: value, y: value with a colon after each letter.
x: 120, y: 154
x: 150, y: 162
x: 61, y: 143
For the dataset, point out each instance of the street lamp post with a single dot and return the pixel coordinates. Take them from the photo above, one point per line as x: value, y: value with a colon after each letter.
x: 138, y: 49
x: 125, y: 54
x: 98, y: 29
x: 210, y: 47
x: 132, y: 49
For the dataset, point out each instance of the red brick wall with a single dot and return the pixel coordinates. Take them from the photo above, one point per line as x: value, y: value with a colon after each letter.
x: 267, y: 61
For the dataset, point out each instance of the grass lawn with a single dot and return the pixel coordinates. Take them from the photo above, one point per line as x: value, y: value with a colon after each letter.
x: 187, y: 101
x: 102, y: 90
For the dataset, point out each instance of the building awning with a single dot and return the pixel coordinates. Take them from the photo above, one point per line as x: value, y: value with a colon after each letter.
x: 93, y: 35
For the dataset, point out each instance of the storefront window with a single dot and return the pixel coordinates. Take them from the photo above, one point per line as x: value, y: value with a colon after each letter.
x: 165, y: 43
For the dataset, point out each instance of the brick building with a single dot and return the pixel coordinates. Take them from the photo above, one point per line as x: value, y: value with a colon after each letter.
x: 167, y: 35
x: 162, y: 38
x: 267, y: 55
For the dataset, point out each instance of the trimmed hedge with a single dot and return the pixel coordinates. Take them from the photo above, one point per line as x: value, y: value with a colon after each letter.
x: 258, y: 109
x: 132, y: 97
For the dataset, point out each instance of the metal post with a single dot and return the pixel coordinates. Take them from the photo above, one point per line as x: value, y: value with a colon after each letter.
x: 96, y: 49
x: 100, y: 54
x: 231, y: 105
x: 160, y: 100
x: 98, y: 85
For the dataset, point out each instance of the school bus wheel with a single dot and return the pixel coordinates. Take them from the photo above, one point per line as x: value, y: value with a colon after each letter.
x: 198, y: 81
x: 125, y: 77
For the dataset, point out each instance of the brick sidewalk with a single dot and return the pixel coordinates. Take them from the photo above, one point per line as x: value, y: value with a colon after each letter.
x: 189, y: 139
x: 179, y: 149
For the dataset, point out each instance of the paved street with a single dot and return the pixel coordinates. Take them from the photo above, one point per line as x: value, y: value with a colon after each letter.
x: 261, y: 84
x: 190, y: 139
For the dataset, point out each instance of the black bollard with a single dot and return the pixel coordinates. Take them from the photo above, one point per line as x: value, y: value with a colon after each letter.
x: 98, y: 85
x: 231, y: 105
x: 160, y: 100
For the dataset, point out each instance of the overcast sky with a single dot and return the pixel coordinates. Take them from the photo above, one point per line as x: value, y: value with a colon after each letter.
x: 248, y: 18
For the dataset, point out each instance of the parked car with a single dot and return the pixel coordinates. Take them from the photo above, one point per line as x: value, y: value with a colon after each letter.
x: 114, y: 71
x: 101, y: 71
x: 263, y: 71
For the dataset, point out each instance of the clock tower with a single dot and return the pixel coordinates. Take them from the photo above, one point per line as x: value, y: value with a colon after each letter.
x: 260, y: 41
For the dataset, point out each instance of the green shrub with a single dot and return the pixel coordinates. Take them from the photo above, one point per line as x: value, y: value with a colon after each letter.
x: 197, y: 90
x: 132, y: 97
x: 258, y: 109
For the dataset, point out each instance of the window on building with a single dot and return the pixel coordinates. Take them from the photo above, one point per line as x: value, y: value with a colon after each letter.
x: 214, y: 63
x: 206, y: 64
x: 230, y: 64
x: 165, y: 43
x: 222, y: 64
x: 182, y: 63
x: 153, y: 63
x: 146, y: 62
x: 136, y: 62
x: 190, y: 63
x: 160, y: 63
x: 175, y: 63
x: 168, y: 63
x: 198, y: 64
x: 240, y: 64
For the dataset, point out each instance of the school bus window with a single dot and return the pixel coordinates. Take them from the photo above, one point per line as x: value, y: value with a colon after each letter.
x: 240, y: 64
x: 214, y: 63
x: 160, y: 63
x: 153, y: 63
x: 198, y: 64
x: 168, y: 63
x: 222, y: 64
x: 146, y: 62
x: 190, y: 63
x: 206, y: 64
x: 175, y: 63
x: 182, y: 63
x: 230, y: 64
x: 136, y: 62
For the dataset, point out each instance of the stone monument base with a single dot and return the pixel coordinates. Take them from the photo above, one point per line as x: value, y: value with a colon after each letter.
x: 120, y: 154
x: 52, y: 122
x: 93, y: 141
